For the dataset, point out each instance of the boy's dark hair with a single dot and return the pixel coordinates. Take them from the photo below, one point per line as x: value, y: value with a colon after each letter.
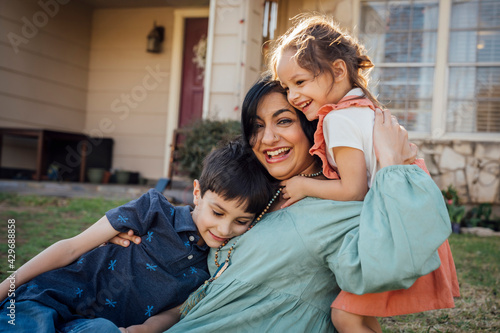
x: 232, y: 172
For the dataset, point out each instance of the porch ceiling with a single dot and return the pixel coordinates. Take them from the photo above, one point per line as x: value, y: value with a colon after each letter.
x: 145, y: 3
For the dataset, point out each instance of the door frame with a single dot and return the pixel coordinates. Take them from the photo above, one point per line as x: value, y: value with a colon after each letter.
x: 174, y: 95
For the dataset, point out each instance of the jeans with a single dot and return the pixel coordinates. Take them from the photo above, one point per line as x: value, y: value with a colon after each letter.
x: 32, y: 316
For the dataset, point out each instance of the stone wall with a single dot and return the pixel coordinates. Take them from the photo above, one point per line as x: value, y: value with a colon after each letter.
x: 473, y: 168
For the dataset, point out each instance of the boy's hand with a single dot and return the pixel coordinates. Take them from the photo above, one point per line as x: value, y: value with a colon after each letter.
x: 293, y: 190
x: 124, y: 239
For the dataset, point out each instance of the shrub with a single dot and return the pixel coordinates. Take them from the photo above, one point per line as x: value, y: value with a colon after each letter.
x: 455, y: 209
x: 200, y: 139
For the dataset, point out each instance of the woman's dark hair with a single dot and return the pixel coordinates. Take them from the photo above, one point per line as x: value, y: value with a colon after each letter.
x: 263, y: 87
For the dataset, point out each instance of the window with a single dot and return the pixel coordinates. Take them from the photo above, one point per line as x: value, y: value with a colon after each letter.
x: 474, y: 67
x: 420, y: 64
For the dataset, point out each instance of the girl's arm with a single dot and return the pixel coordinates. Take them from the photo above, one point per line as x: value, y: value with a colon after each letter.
x: 157, y: 323
x: 62, y: 253
x: 352, y: 187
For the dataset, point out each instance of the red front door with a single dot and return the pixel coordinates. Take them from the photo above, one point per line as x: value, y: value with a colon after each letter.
x: 195, y: 34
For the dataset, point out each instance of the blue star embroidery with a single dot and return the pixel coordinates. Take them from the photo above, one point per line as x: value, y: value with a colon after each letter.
x: 187, y: 244
x: 193, y: 270
x: 150, y: 235
x: 148, y: 310
x: 110, y: 303
x: 122, y: 219
x: 112, y: 265
x: 172, y: 210
x: 151, y: 267
x: 79, y: 292
x: 79, y: 262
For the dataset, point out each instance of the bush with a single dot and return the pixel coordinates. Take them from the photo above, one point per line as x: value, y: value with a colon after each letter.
x: 200, y: 139
x: 455, y: 209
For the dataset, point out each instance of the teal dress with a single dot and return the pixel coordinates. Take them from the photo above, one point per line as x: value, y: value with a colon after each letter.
x: 287, y: 270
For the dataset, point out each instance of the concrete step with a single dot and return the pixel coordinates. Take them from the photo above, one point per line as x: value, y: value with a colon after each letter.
x: 181, y: 192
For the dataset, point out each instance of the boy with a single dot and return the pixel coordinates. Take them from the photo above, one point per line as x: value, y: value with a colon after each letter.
x: 127, y: 286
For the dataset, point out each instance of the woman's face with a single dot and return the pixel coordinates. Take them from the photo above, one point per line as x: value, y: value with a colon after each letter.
x: 280, y: 143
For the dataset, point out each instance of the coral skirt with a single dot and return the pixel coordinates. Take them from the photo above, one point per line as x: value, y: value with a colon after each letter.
x: 430, y: 292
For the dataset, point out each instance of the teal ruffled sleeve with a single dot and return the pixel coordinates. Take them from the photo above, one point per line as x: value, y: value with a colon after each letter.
x: 403, y: 221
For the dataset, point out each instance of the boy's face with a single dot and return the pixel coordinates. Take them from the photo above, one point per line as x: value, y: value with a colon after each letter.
x: 218, y: 219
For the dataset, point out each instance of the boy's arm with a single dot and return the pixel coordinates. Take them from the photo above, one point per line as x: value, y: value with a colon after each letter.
x: 157, y: 323
x: 353, y: 185
x: 62, y: 253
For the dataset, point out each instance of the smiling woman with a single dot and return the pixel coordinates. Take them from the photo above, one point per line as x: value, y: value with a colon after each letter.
x: 284, y: 273
x: 280, y: 144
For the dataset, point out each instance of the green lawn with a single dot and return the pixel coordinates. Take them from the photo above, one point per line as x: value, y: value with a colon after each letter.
x: 41, y: 221
x: 478, y: 309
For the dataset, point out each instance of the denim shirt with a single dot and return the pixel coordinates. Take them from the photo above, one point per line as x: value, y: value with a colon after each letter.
x: 129, y: 285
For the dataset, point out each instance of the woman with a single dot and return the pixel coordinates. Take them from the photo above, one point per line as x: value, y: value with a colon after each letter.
x: 285, y: 272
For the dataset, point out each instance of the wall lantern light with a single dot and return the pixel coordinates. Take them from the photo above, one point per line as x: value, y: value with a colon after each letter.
x: 155, y: 38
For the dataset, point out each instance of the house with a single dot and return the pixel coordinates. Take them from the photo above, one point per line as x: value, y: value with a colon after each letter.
x: 82, y: 66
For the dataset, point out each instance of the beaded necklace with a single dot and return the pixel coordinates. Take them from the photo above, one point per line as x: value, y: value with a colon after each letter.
x: 226, y: 263
x: 200, y: 293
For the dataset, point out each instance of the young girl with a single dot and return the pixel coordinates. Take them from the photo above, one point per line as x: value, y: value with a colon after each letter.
x: 324, y: 72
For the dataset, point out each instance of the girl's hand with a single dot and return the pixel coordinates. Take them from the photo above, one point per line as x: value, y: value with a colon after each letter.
x: 390, y: 141
x: 293, y: 190
x: 124, y: 239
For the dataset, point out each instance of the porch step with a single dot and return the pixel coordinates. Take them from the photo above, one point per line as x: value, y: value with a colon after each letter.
x: 181, y: 191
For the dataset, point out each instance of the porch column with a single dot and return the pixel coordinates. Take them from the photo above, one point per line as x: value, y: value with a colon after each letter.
x: 233, y: 55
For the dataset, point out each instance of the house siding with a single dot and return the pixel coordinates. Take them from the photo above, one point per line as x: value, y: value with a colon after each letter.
x: 236, y: 55
x: 44, y: 57
x: 128, y: 87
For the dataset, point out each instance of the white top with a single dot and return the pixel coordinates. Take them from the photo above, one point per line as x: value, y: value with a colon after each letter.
x: 352, y: 127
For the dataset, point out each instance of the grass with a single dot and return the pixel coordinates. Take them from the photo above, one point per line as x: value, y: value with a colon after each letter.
x: 477, y: 261
x: 41, y: 221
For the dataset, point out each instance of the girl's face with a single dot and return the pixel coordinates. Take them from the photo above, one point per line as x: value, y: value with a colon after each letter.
x: 306, y: 92
x: 280, y: 143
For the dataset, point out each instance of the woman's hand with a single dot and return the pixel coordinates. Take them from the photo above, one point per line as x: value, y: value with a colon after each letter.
x: 124, y: 239
x: 390, y: 141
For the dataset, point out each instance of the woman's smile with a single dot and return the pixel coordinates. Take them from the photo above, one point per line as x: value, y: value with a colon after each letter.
x: 281, y: 145
x: 277, y: 155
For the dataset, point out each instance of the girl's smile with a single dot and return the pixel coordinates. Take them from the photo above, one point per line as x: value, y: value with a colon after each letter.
x: 305, y: 90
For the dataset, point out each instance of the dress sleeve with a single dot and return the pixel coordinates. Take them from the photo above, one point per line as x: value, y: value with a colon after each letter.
x: 140, y: 214
x: 403, y: 221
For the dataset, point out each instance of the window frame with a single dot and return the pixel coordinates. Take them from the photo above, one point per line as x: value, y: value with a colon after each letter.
x: 438, y: 130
